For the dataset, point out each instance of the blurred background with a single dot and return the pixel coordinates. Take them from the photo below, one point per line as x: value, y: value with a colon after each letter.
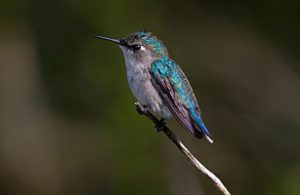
x: 68, y: 123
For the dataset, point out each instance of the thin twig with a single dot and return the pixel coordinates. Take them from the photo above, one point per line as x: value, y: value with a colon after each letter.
x: 160, y: 126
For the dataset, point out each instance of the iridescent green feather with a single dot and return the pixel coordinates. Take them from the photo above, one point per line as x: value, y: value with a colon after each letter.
x: 165, y: 68
x: 153, y: 41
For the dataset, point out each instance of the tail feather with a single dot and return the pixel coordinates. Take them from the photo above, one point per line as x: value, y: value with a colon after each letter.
x: 202, y: 127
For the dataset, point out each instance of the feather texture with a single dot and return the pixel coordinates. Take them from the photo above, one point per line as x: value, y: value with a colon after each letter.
x: 177, y: 93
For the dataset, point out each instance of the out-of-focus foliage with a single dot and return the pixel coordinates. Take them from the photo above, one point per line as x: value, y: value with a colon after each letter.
x: 67, y: 120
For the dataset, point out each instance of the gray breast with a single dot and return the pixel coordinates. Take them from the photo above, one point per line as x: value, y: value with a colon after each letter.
x: 141, y: 86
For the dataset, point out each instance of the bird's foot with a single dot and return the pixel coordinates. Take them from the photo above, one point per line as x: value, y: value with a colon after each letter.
x: 160, y: 125
x: 142, y: 110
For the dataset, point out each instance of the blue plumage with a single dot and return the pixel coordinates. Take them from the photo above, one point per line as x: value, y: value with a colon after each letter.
x: 158, y: 82
x: 178, y: 95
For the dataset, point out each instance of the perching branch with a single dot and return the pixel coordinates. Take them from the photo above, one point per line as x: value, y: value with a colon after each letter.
x: 160, y: 126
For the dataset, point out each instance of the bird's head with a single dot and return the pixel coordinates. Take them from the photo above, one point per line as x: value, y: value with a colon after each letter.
x: 140, y: 46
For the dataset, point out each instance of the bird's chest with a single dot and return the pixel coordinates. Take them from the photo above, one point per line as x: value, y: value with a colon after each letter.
x: 141, y: 86
x: 139, y: 80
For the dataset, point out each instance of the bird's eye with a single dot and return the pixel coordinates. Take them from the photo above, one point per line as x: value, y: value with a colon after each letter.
x: 136, y: 47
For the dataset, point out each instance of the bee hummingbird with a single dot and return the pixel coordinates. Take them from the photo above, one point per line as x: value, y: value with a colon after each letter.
x: 158, y: 83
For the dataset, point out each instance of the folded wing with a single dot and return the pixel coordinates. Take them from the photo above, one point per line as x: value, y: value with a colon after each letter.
x: 177, y: 93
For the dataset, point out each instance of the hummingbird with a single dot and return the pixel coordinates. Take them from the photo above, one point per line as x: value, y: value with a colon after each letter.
x: 158, y: 83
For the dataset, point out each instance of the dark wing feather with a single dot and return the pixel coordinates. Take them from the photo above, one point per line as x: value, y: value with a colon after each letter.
x: 167, y: 93
x: 163, y: 73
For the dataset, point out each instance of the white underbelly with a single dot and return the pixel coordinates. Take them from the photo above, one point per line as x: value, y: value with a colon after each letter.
x: 145, y: 93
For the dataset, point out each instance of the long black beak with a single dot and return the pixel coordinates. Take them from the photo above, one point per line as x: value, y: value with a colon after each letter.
x: 118, y: 41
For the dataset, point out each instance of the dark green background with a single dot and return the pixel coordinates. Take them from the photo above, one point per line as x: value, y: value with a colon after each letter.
x: 67, y: 120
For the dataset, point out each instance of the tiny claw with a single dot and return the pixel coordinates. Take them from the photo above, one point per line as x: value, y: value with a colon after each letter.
x: 140, y: 108
x: 160, y: 125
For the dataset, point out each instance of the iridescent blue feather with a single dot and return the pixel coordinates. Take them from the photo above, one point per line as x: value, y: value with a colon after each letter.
x: 178, y: 95
x: 158, y: 82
